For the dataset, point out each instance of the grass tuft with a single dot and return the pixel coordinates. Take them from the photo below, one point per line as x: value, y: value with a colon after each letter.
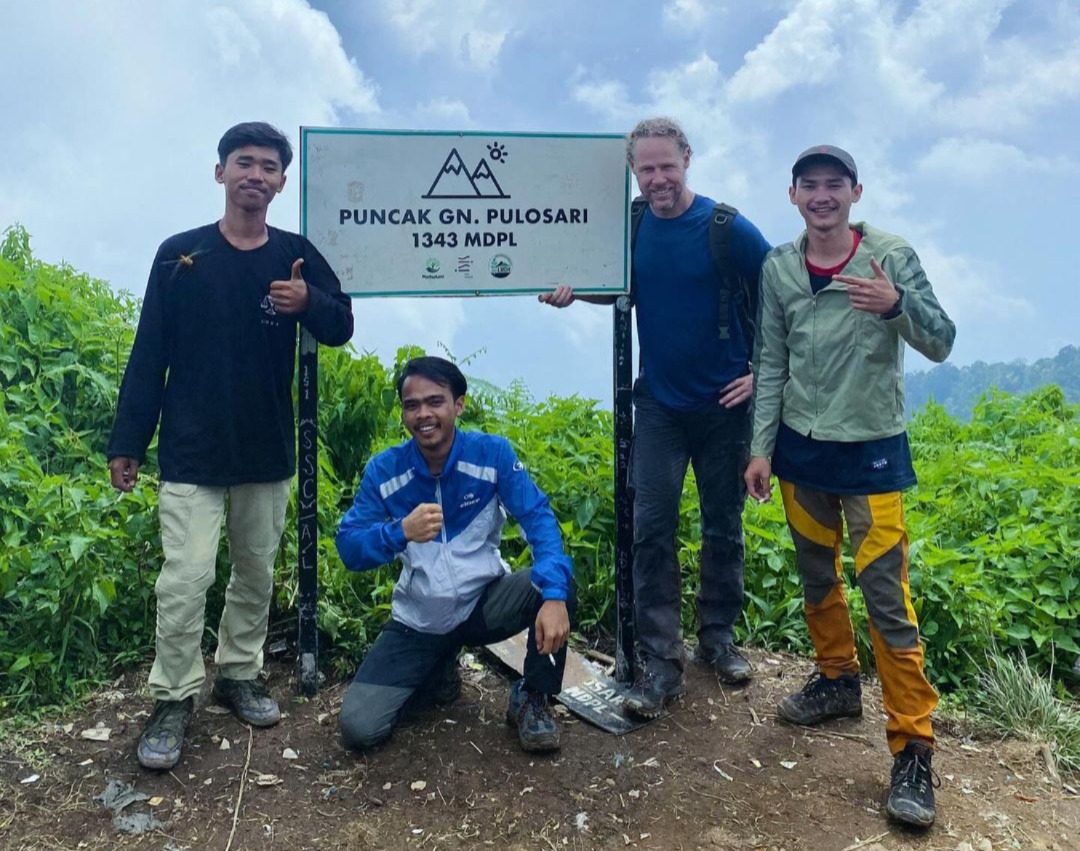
x: 1014, y: 700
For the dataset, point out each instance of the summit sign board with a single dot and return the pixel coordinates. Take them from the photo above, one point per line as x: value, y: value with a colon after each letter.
x: 446, y: 213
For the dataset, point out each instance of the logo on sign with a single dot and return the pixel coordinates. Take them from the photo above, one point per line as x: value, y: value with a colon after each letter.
x: 500, y: 266
x: 457, y: 180
x: 464, y: 266
x: 431, y: 270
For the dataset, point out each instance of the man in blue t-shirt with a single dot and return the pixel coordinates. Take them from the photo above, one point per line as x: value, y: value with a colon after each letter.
x: 692, y: 406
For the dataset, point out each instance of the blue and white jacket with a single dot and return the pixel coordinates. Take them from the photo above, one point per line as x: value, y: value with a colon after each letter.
x: 443, y: 579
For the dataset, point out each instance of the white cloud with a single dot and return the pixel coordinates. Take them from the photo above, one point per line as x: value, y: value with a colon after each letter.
x: 685, y: 14
x: 969, y: 290
x: 114, y: 144
x: 973, y: 160
x: 801, y: 50
x: 443, y: 112
x: 472, y: 31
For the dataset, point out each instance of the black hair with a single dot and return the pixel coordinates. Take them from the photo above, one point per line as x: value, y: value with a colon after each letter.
x: 257, y: 133
x: 820, y: 159
x: 441, y: 371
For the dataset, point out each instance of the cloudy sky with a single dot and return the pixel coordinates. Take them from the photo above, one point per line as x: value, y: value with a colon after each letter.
x: 962, y: 114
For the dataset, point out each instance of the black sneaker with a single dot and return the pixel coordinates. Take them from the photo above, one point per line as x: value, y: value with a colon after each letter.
x: 445, y: 686
x: 658, y: 682
x: 162, y: 740
x: 530, y: 712
x: 823, y: 698
x: 727, y: 663
x: 249, y: 701
x: 911, y: 798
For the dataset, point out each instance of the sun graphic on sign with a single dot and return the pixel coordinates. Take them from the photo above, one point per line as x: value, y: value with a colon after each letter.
x: 497, y: 152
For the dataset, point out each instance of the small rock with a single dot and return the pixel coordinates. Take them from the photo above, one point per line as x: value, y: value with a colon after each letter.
x: 225, y: 744
x: 289, y: 753
x: 33, y: 778
x: 418, y: 785
x: 985, y: 845
x: 97, y: 734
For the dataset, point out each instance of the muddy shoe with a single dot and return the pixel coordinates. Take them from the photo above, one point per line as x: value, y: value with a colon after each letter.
x: 911, y: 798
x: 658, y: 682
x: 446, y: 684
x: 823, y: 698
x: 530, y: 712
x: 727, y: 663
x: 163, y: 739
x: 249, y: 701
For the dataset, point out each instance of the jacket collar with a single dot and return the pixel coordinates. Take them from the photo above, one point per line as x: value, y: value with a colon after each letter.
x: 419, y: 462
x: 804, y: 237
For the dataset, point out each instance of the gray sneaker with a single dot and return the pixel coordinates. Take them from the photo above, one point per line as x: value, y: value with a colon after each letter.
x: 823, y: 698
x: 530, y: 712
x: 162, y: 740
x: 249, y: 700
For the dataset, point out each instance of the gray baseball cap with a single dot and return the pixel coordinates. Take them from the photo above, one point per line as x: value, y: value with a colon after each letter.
x: 839, y: 155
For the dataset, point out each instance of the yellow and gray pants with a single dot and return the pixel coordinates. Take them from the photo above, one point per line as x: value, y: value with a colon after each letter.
x: 880, y: 543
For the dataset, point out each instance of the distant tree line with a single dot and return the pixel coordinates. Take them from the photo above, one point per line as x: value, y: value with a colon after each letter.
x: 957, y: 389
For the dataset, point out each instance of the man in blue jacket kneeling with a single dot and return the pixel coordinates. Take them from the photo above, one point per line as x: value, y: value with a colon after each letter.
x: 437, y: 502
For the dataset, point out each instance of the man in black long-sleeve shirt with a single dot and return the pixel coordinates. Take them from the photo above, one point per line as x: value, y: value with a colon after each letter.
x: 213, y: 360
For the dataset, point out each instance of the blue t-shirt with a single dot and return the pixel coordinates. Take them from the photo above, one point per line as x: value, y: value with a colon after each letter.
x: 677, y: 296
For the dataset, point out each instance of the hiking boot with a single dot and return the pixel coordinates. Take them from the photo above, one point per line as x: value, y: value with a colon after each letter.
x: 911, y: 798
x: 727, y: 663
x: 249, y: 700
x: 445, y: 684
x: 823, y: 698
x: 162, y: 740
x: 658, y: 682
x: 530, y: 712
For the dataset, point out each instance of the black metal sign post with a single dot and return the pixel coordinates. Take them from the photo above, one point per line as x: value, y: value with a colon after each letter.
x: 623, y: 360
x: 307, y: 516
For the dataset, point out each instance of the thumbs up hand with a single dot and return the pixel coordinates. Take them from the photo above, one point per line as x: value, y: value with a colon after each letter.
x: 290, y: 296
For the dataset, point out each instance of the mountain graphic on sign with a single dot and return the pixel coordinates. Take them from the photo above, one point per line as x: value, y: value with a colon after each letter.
x: 454, y: 180
x: 483, y: 179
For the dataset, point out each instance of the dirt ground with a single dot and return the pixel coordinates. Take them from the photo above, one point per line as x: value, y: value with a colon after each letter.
x: 719, y: 772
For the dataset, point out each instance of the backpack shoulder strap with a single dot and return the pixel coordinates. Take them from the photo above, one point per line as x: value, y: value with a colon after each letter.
x: 720, y: 248
x: 637, y: 213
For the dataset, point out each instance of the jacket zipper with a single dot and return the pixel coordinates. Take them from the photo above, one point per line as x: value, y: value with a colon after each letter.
x: 442, y: 535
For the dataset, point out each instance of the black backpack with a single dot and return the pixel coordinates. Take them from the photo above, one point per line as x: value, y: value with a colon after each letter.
x: 744, y: 290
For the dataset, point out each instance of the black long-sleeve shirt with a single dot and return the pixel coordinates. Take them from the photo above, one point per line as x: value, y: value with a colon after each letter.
x: 214, y: 360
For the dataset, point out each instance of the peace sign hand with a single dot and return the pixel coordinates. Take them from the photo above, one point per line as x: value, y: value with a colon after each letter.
x: 871, y: 295
x: 291, y: 296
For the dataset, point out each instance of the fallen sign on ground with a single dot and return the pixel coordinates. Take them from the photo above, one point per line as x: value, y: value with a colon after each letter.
x: 590, y: 695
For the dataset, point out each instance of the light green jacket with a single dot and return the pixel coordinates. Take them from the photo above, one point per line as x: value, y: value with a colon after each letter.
x: 828, y: 370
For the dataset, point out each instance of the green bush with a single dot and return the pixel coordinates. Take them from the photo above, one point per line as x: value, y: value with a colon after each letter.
x: 995, y: 531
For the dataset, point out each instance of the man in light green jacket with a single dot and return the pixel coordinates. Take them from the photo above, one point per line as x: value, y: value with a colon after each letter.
x: 838, y: 306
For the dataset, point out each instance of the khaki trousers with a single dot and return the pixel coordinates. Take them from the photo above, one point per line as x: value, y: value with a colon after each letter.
x: 190, y: 517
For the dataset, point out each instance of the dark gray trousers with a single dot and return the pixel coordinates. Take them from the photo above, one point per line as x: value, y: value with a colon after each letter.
x: 402, y: 661
x: 716, y: 440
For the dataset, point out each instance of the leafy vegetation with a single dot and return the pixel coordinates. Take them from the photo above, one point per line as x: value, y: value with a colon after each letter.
x: 995, y: 531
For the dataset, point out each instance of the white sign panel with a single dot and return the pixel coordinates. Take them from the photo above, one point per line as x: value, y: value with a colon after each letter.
x: 444, y: 213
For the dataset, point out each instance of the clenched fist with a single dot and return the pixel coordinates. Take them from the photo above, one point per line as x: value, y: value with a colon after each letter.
x: 423, y: 523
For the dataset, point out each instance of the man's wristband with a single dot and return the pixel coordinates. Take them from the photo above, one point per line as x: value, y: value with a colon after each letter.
x: 897, y: 308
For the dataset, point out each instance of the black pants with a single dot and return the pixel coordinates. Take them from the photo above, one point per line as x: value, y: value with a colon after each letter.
x: 716, y: 441
x: 402, y: 660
